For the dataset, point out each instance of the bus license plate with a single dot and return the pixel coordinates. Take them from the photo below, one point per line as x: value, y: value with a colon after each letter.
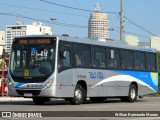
x: 28, y: 95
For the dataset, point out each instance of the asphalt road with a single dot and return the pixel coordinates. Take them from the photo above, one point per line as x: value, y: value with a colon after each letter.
x: 151, y: 104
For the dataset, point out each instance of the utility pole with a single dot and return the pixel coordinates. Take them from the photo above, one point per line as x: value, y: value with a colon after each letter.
x: 52, y: 19
x: 122, y: 21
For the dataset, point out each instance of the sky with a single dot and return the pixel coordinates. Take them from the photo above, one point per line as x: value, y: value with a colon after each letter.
x: 143, y: 15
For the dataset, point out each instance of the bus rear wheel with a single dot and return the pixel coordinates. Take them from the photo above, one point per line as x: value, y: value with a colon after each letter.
x: 79, y: 95
x: 132, y: 97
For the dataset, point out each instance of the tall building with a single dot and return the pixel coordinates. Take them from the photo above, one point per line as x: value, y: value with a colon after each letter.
x: 2, y: 41
x: 98, y: 24
x: 37, y: 28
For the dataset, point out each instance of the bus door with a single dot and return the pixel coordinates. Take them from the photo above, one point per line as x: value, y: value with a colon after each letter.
x: 65, y: 71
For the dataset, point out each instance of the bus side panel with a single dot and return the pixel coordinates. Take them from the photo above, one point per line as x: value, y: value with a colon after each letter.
x: 91, y: 77
x: 65, y: 87
x: 99, y: 91
x: 143, y: 90
x: 147, y: 82
x: 108, y: 86
x: 117, y: 88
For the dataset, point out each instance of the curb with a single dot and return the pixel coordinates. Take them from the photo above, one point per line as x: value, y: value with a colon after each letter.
x: 5, y: 99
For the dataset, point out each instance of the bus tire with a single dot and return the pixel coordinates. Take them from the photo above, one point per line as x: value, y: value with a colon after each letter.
x: 79, y: 95
x: 39, y: 100
x: 132, y: 96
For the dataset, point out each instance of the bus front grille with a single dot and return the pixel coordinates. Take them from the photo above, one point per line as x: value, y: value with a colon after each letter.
x: 34, y: 92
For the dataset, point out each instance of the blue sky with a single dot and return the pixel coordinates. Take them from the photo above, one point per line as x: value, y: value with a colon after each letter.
x: 142, y: 12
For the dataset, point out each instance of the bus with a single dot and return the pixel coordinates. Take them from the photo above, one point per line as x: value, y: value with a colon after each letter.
x: 44, y: 67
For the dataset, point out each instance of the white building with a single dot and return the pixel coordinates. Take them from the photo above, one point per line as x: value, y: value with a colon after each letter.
x: 2, y: 41
x: 98, y: 24
x: 155, y: 42
x: 144, y: 44
x: 37, y: 28
x: 132, y: 40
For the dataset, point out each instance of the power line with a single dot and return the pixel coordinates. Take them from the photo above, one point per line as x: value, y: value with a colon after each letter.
x: 45, y: 21
x: 70, y: 25
x: 65, y: 6
x: 140, y: 27
x: 116, y: 29
x: 42, y: 10
x: 49, y: 11
x: 75, y: 8
x: 136, y: 9
x: 63, y: 24
x: 80, y: 9
x: 92, y: 11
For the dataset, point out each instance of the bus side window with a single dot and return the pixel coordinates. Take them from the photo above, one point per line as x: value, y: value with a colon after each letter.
x: 78, y: 61
x: 65, y: 61
x: 151, y: 62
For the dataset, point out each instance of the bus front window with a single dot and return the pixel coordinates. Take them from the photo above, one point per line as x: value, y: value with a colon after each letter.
x: 32, y: 61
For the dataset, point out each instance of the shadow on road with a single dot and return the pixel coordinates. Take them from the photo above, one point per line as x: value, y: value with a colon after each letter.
x: 63, y: 102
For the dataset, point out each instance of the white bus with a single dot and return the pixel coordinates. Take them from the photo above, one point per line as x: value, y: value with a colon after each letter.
x: 44, y: 67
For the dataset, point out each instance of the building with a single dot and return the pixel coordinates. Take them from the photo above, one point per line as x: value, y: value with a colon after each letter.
x: 144, y: 44
x: 98, y: 24
x: 37, y: 28
x: 155, y: 42
x: 132, y: 40
x: 2, y: 41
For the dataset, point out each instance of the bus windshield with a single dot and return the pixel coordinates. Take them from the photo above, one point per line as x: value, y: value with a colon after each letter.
x: 32, y: 61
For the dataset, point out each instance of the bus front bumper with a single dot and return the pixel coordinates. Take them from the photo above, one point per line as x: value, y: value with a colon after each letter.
x: 13, y: 92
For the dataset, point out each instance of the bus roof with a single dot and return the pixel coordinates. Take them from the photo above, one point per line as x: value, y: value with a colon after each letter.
x: 100, y: 42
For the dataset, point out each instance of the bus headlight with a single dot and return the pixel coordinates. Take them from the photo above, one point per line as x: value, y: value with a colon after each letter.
x: 48, y: 84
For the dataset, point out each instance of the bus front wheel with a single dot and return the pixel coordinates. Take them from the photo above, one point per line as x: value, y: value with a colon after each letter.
x: 79, y: 95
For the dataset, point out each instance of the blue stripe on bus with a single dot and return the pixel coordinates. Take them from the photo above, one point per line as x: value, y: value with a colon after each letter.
x: 150, y: 78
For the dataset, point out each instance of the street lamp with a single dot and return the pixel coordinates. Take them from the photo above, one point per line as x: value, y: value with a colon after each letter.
x: 52, y: 19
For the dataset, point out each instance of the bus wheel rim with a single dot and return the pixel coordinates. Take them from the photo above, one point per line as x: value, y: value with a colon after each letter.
x: 133, y: 93
x: 78, y: 94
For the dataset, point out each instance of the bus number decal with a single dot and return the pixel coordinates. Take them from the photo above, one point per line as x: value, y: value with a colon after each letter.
x: 26, y: 72
x: 96, y: 75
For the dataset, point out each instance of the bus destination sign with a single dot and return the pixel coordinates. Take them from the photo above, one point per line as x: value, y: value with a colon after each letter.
x: 34, y: 41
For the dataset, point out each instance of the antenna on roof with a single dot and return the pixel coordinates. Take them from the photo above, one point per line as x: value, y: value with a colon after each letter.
x: 17, y: 21
x: 98, y: 7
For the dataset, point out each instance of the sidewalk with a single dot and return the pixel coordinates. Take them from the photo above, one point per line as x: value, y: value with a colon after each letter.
x: 7, y: 99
